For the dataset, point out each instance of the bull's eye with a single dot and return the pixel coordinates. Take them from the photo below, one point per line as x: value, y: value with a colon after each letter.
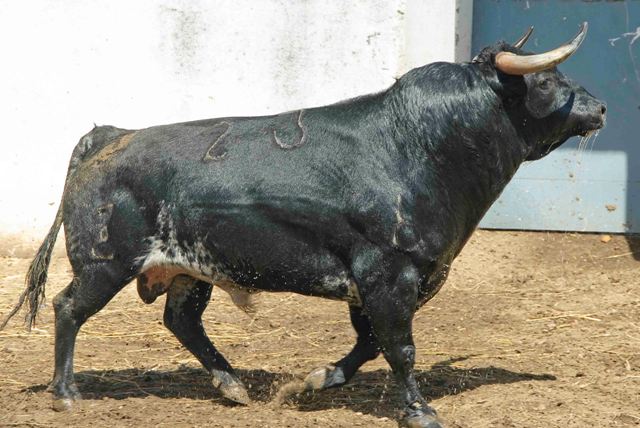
x: 544, y: 84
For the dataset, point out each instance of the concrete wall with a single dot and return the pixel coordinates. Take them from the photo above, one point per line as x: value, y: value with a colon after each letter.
x: 135, y: 64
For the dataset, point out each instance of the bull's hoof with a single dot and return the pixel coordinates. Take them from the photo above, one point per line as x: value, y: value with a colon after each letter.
x: 324, y: 377
x: 420, y: 419
x: 320, y: 378
x: 62, y: 404
x: 63, y: 395
x: 423, y: 421
x: 235, y: 392
x: 230, y: 387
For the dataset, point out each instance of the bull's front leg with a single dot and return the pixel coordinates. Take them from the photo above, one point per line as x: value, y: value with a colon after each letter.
x: 388, y: 286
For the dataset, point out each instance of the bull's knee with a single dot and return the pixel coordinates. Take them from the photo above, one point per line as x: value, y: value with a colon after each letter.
x: 59, y: 301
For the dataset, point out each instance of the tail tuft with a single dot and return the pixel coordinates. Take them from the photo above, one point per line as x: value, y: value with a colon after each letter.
x: 36, y: 277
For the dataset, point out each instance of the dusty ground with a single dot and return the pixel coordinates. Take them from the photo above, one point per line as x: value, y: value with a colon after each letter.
x: 532, y: 329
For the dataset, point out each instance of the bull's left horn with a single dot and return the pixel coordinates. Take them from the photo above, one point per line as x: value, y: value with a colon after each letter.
x: 522, y: 40
x: 519, y: 65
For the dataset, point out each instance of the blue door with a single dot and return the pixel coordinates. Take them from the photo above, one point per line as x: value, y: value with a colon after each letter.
x: 597, y: 188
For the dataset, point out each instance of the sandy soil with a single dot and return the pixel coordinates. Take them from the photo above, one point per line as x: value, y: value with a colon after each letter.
x: 532, y: 329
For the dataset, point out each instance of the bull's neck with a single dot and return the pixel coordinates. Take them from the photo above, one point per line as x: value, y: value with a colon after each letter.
x: 474, y: 168
x: 463, y: 148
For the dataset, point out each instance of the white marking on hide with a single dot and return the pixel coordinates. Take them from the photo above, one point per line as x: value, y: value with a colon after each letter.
x: 207, y: 156
x: 95, y: 255
x: 191, y: 258
x: 399, y: 221
x: 194, y: 260
x: 104, y: 234
x: 102, y: 219
x: 294, y: 145
x: 333, y: 284
x: 179, y: 291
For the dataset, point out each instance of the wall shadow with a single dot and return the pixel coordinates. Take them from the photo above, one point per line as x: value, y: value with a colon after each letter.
x: 634, y: 245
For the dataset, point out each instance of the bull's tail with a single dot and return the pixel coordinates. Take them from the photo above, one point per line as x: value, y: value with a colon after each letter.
x: 36, y: 277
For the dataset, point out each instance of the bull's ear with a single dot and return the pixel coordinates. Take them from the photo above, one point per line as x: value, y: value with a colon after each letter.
x: 512, y: 89
x: 508, y: 87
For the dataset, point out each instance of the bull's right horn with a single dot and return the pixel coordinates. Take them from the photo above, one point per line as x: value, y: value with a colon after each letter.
x: 519, y: 65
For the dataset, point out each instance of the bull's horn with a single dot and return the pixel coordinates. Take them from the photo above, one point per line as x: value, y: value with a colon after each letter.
x: 522, y: 40
x: 519, y: 65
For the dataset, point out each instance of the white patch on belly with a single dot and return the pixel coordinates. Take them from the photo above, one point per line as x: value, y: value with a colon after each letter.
x: 167, y: 251
x: 196, y: 261
x: 193, y: 260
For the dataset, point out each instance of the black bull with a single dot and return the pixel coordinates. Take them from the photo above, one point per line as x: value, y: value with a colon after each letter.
x: 367, y: 201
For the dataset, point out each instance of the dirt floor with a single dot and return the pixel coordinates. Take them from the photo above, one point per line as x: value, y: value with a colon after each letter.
x: 531, y: 329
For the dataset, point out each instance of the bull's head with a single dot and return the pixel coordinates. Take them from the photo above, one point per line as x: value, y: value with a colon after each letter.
x: 546, y: 106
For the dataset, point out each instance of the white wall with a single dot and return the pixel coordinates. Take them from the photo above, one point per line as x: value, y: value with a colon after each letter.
x: 66, y: 65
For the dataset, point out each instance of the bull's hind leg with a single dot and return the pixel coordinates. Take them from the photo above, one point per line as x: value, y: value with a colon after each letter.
x: 87, y: 293
x: 187, y: 299
x: 339, y: 373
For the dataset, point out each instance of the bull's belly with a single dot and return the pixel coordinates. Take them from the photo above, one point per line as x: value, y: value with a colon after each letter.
x: 156, y: 281
x: 243, y: 249
x: 161, y: 268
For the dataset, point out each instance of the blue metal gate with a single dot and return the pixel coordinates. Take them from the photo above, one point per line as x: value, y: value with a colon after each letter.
x: 597, y: 189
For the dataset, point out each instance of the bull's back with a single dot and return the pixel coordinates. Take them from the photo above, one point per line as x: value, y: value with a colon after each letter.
x: 291, y: 149
x: 296, y: 161
x: 261, y: 197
